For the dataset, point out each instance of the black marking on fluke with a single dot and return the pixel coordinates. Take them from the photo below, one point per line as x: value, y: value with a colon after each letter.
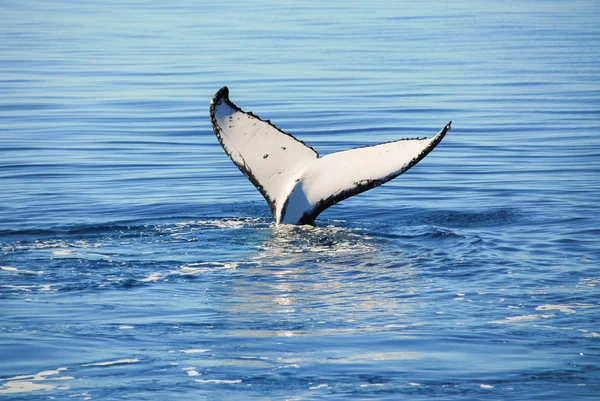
x: 308, y: 218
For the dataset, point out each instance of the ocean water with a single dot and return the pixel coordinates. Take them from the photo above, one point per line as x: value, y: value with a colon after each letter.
x: 138, y: 263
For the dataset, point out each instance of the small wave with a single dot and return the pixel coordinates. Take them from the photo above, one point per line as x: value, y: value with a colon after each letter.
x: 318, y: 386
x: 190, y: 371
x: 112, y: 363
x: 21, y: 271
x: 226, y: 223
x: 73, y: 230
x: 27, y: 233
x: 105, y: 228
x: 216, y: 223
x: 152, y: 277
x: 467, y: 219
x: 203, y: 267
x: 523, y: 318
x: 30, y: 383
x: 423, y: 233
x: 40, y: 288
x: 566, y: 309
x: 195, y: 351
x: 135, y: 228
x: 443, y: 234
x: 217, y: 381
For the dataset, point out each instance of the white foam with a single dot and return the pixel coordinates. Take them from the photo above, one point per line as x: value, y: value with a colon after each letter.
x: 22, y: 377
x: 126, y: 327
x: 223, y: 223
x: 25, y: 288
x: 8, y: 268
x: 61, y: 252
x: 152, y: 278
x: 294, y: 366
x: 587, y: 283
x: 25, y: 383
x: 202, y: 267
x: 24, y: 387
x: 319, y: 386
x: 486, y: 386
x: 523, y: 318
x: 110, y: 363
x: 567, y: 309
x: 29, y: 288
x: 562, y: 308
x: 38, y: 376
x: 529, y: 317
x: 215, y: 381
x: 295, y: 244
x: 51, y: 372
x: 194, y: 351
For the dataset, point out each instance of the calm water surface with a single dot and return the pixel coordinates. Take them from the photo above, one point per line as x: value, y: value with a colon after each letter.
x: 138, y: 263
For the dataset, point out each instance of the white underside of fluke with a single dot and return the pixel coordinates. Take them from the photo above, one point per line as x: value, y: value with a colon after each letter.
x: 295, y: 181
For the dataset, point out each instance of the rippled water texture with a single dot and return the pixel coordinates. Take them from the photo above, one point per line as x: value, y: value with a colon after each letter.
x: 137, y: 262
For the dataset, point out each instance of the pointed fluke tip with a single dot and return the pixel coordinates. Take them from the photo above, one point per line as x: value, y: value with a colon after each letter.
x: 222, y: 94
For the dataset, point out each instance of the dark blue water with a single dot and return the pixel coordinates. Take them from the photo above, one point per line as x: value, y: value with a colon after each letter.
x: 139, y: 263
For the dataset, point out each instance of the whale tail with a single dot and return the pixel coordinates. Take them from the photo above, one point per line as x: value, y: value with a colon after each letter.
x: 298, y: 184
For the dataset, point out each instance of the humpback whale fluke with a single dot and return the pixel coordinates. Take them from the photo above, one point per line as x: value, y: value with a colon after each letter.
x: 295, y: 181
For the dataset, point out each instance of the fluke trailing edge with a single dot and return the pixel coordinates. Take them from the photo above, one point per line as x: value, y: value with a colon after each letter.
x: 295, y: 181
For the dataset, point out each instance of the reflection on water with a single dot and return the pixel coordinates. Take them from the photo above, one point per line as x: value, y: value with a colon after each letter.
x: 292, y: 244
x: 332, y: 267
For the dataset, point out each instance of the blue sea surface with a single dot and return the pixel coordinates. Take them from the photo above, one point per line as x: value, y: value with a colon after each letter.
x: 138, y: 263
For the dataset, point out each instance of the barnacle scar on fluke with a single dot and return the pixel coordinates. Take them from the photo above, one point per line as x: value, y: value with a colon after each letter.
x: 295, y: 181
